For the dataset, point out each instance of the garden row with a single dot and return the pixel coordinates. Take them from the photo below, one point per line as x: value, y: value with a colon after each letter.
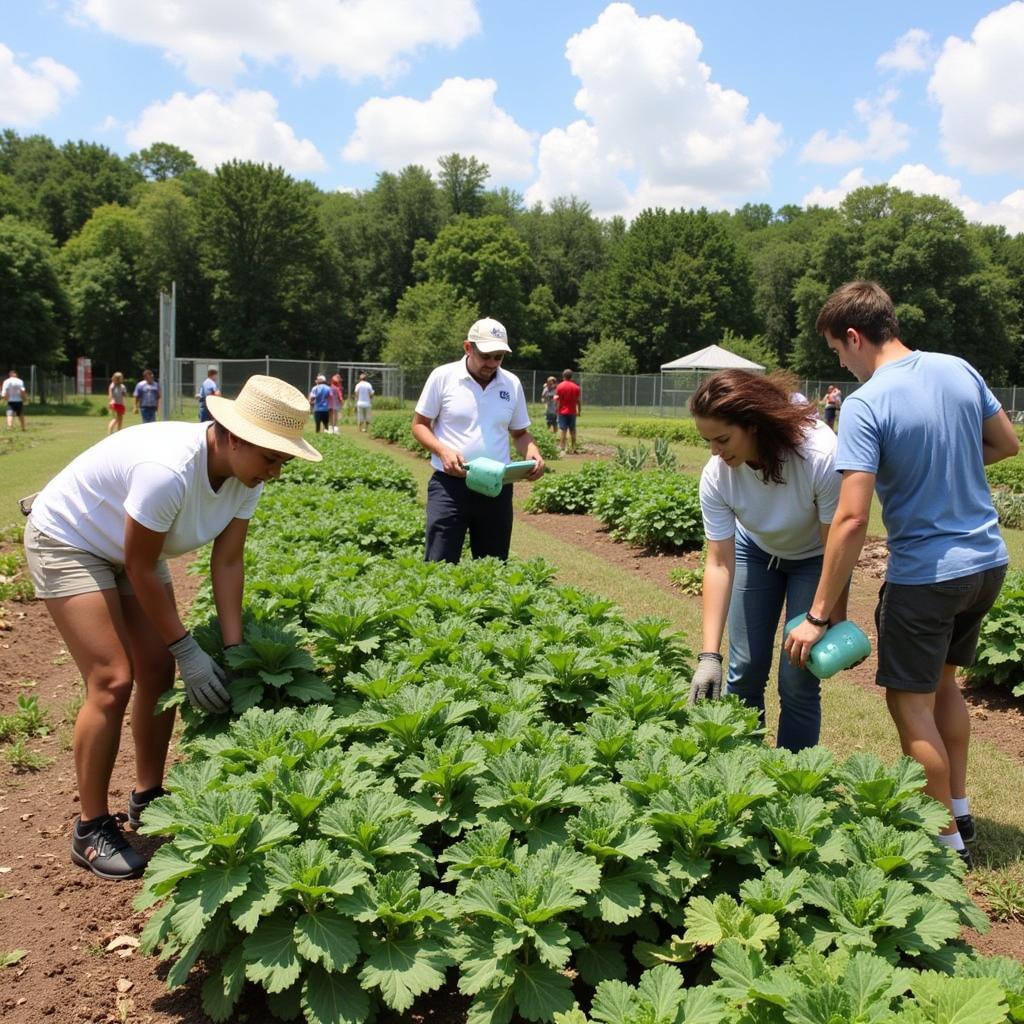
x: 470, y: 776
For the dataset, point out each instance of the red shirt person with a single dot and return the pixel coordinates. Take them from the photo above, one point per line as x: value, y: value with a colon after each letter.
x: 567, y: 395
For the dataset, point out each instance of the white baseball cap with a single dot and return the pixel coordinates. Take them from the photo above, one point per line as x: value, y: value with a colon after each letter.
x: 488, y: 336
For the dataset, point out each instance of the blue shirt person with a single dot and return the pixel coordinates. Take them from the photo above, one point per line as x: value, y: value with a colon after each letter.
x: 147, y: 397
x: 207, y: 388
x: 320, y: 403
x: 919, y: 432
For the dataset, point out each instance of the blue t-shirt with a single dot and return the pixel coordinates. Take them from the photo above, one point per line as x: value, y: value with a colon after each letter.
x: 321, y: 395
x: 148, y: 394
x: 207, y: 388
x: 916, y: 424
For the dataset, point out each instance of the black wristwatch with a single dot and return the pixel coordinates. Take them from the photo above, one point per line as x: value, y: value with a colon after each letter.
x: 814, y: 621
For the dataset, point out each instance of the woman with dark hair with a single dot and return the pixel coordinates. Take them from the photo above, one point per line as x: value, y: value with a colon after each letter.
x: 767, y: 494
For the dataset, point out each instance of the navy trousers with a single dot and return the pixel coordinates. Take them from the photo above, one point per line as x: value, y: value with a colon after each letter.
x: 453, y: 510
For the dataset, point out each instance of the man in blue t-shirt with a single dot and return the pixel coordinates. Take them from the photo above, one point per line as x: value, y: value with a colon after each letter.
x: 147, y: 397
x: 919, y: 432
x: 207, y: 388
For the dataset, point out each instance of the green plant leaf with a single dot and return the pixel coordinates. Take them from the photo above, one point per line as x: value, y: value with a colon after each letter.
x: 224, y: 985
x: 403, y: 969
x: 325, y: 937
x: 329, y: 998
x: 271, y: 956
x: 540, y: 991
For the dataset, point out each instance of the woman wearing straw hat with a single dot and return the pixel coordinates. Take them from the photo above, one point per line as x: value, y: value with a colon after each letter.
x: 96, y: 541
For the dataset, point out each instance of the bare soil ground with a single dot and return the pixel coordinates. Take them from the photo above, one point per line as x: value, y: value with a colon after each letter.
x: 80, y: 934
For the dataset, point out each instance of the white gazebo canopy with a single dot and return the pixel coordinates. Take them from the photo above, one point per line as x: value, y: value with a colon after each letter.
x: 714, y: 357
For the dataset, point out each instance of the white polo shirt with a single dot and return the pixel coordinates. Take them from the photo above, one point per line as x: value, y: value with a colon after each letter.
x: 473, y: 420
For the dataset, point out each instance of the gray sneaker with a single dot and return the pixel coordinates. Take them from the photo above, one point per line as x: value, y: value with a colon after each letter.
x: 137, y: 806
x: 105, y: 851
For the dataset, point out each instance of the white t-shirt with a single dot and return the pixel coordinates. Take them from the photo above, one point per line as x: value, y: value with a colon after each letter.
x: 155, y: 473
x: 473, y: 420
x: 364, y: 392
x: 13, y: 389
x: 782, y: 519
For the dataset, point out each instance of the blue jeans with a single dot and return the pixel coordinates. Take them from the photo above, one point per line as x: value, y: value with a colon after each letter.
x: 760, y: 587
x: 148, y: 413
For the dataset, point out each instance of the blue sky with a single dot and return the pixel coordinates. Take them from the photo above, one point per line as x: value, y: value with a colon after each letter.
x: 626, y: 105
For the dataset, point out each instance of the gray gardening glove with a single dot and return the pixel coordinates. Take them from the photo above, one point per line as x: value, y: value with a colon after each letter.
x: 204, y: 678
x: 707, y: 680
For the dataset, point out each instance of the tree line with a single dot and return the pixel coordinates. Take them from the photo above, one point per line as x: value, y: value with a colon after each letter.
x: 265, y: 264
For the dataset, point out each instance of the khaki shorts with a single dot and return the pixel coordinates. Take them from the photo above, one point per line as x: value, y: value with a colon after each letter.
x: 59, y: 570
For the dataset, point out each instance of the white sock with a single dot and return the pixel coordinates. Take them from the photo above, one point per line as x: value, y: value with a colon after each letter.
x: 953, y: 840
x: 961, y: 806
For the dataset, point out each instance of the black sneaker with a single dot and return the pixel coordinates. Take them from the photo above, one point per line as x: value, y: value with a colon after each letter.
x: 965, y: 856
x: 965, y: 825
x: 137, y: 805
x: 105, y: 851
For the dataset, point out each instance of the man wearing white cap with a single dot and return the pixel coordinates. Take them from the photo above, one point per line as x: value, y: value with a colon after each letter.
x: 468, y: 409
x: 207, y: 388
x: 96, y: 540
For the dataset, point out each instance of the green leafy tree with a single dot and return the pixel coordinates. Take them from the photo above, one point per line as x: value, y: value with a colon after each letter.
x: 275, y: 288
x: 462, y: 180
x: 171, y: 253
x: 675, y: 282
x: 112, y: 304
x: 756, y: 349
x: 431, y: 321
x: 608, y: 355
x: 33, y: 303
x: 950, y: 295
x: 14, y: 200
x: 489, y: 265
x: 161, y: 161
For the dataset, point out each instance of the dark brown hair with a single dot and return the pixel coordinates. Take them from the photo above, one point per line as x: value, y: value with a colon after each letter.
x: 762, y: 403
x: 863, y: 305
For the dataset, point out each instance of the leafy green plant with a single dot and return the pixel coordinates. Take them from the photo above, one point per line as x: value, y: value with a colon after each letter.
x: 570, y: 493
x: 653, y: 509
x: 1010, y: 507
x: 1007, y: 475
x: 21, y: 759
x: 1000, y: 653
x: 633, y: 458
x: 688, y: 581
x: 683, y: 430
x: 664, y: 457
x: 10, y: 957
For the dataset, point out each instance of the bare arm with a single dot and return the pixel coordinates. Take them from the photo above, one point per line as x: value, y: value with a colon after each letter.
x: 142, y: 549
x: 838, y: 613
x: 998, y: 438
x: 719, y: 570
x: 527, y: 449
x: 227, y: 573
x: 451, y: 460
x: 842, y: 549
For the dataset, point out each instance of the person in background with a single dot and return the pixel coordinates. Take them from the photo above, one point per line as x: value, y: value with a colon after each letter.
x: 337, y: 403
x: 467, y: 409
x: 320, y: 403
x: 207, y: 388
x: 147, y: 397
x: 15, y: 394
x: 549, y: 398
x: 947, y: 559
x: 96, y: 541
x: 767, y: 496
x: 364, y: 399
x: 569, y: 407
x: 116, y: 394
x: 833, y: 400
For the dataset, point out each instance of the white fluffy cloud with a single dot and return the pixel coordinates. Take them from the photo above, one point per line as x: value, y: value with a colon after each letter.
x: 214, y: 129
x: 213, y: 39
x: 1008, y: 211
x: 821, y: 196
x: 653, y: 114
x: 460, y: 116
x: 979, y: 85
x: 885, y: 136
x: 922, y: 180
x: 911, y: 52
x: 29, y: 94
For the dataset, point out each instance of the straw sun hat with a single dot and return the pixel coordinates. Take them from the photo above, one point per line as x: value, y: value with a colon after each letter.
x: 269, y: 413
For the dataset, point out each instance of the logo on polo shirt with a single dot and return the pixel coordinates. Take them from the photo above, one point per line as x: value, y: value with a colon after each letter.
x: 505, y: 396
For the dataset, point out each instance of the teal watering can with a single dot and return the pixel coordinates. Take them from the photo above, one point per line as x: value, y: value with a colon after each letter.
x: 843, y: 646
x: 488, y: 476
